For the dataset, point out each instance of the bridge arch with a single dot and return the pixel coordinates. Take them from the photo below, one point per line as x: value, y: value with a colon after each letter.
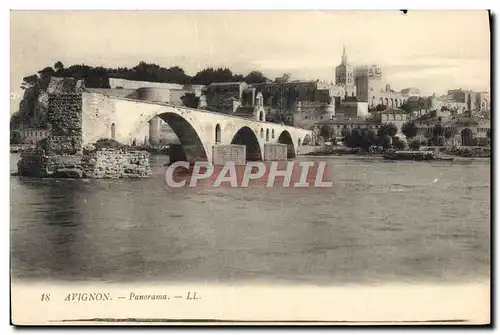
x: 191, y: 143
x: 286, y: 138
x: 245, y: 136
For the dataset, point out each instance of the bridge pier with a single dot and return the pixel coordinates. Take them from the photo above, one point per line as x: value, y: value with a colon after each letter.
x: 223, y: 153
x: 275, y: 152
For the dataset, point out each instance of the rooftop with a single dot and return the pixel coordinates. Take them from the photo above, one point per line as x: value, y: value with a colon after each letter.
x: 232, y: 83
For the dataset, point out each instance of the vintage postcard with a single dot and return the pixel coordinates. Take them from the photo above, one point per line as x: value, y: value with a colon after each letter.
x: 250, y: 167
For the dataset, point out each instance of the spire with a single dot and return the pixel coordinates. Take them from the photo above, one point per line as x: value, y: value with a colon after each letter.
x: 344, y: 56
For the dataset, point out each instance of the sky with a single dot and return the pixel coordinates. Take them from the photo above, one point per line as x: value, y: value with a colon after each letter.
x: 432, y: 50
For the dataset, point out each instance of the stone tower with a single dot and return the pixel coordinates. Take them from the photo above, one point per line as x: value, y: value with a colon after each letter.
x: 344, y: 75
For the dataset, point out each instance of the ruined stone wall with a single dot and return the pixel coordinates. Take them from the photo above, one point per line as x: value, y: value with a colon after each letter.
x: 112, y: 164
x: 64, y: 119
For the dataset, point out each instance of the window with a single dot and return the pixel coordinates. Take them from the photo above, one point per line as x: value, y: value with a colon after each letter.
x: 217, y: 133
x: 113, y: 131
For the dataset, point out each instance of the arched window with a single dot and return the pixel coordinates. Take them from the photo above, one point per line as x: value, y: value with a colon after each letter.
x: 267, y: 135
x: 261, y: 132
x: 272, y: 133
x: 299, y: 142
x: 217, y: 134
x: 113, y: 131
x: 261, y: 116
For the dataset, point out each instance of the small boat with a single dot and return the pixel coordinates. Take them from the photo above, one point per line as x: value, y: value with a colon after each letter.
x: 410, y: 155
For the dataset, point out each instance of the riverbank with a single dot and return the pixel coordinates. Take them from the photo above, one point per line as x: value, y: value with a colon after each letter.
x: 444, y: 152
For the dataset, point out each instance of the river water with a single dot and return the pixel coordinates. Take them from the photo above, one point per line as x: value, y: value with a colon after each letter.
x: 380, y: 222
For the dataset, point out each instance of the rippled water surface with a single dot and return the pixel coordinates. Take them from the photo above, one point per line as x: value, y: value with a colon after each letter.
x: 381, y: 221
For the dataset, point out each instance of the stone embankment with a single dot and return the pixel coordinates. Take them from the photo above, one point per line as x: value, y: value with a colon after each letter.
x: 99, y: 164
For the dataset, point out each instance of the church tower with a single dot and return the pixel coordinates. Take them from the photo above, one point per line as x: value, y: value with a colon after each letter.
x: 344, y: 75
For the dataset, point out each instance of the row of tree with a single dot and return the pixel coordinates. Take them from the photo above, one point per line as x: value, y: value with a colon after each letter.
x: 98, y: 77
x: 386, y: 136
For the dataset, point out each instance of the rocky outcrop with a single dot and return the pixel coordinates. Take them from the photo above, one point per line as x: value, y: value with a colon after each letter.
x: 35, y: 102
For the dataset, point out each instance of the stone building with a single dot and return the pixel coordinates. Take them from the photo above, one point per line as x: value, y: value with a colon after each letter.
x: 225, y: 97
x: 352, y: 108
x: 365, y: 82
x: 338, y: 127
x: 306, y: 114
x: 294, y: 101
x: 395, y: 116
x: 467, y: 101
x: 463, y: 130
x: 410, y: 92
x: 30, y: 135
x: 368, y: 82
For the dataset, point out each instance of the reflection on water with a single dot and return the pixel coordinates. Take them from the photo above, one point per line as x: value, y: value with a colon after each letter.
x: 381, y: 221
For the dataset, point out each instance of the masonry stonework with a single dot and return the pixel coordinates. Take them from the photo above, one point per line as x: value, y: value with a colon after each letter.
x: 229, y: 153
x: 275, y: 152
x: 64, y: 118
x: 101, y: 164
x: 114, y: 164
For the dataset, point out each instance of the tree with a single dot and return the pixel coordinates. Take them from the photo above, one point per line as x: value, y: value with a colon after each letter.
x: 384, y: 141
x: 368, y: 138
x: 325, y: 132
x: 381, y: 108
x: 409, y: 129
x: 255, y: 77
x: 438, y: 130
x: 398, y: 144
x: 15, y: 120
x: 415, y: 144
x: 209, y: 75
x: 353, y: 139
x: 15, y: 137
x: 388, y: 129
x: 30, y: 81
x: 58, y: 66
x: 190, y: 100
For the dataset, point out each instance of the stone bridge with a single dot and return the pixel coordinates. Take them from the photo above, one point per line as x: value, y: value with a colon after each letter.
x: 128, y: 120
